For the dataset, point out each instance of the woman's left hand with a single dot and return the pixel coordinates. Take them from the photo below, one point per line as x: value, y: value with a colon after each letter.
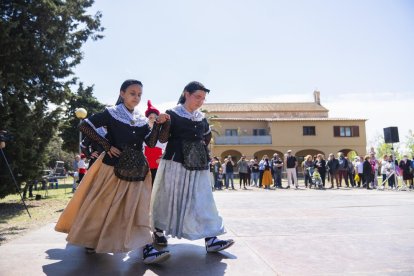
x: 162, y: 118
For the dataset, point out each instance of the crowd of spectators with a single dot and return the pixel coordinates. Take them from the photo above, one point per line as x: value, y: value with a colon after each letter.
x: 337, y: 171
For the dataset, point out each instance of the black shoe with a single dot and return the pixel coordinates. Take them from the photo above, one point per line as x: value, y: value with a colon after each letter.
x: 90, y: 250
x: 159, y: 238
x: 216, y: 245
x: 153, y: 256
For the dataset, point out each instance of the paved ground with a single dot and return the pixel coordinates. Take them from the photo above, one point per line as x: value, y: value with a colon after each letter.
x: 282, y: 232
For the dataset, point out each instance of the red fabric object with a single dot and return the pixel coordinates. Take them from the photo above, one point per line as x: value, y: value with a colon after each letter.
x: 151, y: 109
x: 82, y: 170
x: 82, y: 156
x: 153, y: 154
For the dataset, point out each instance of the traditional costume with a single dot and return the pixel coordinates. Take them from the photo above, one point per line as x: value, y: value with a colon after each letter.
x: 182, y: 202
x: 110, y: 210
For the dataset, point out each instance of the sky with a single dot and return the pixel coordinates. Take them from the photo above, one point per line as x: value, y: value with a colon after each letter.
x: 358, y: 54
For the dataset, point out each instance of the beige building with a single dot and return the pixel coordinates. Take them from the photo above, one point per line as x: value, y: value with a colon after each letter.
x: 255, y: 129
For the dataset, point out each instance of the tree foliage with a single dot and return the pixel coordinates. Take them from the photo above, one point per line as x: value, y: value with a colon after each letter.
x: 40, y: 43
x: 387, y: 149
x: 54, y: 152
x: 70, y: 133
x: 410, y: 142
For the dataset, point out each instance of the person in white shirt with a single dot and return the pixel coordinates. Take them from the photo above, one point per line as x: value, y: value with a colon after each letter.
x: 359, y: 167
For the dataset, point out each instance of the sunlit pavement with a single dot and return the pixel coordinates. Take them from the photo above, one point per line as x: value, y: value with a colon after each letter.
x: 277, y: 232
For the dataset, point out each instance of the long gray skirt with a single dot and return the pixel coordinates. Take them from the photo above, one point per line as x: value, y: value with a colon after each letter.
x: 182, y: 203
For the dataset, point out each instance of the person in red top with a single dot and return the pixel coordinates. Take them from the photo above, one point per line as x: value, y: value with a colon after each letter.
x: 82, y: 167
x: 154, y: 154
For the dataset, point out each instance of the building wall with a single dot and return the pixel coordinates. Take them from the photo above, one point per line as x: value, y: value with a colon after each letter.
x: 244, y: 128
x: 289, y: 135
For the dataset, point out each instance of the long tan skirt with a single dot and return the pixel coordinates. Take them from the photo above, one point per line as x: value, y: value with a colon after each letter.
x: 267, y: 178
x: 106, y: 213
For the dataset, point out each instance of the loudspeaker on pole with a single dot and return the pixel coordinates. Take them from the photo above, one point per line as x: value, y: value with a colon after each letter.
x: 391, y: 135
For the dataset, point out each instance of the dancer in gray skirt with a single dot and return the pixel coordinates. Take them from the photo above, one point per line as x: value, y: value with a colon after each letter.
x: 182, y: 202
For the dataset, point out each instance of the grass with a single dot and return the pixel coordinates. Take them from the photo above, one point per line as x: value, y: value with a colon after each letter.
x: 14, y: 220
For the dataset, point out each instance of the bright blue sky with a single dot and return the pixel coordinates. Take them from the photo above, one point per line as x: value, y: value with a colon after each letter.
x: 359, y: 54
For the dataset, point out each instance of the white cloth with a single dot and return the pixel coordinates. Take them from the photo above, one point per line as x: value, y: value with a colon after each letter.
x: 383, y: 166
x: 196, y: 115
x: 359, y: 166
x: 81, y: 164
x: 291, y: 176
x: 182, y: 203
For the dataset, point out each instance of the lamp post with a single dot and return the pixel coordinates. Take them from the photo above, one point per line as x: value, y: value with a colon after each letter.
x: 81, y: 114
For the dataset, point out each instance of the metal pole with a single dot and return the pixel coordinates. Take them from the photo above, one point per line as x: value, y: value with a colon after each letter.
x: 14, y: 180
x: 80, y: 138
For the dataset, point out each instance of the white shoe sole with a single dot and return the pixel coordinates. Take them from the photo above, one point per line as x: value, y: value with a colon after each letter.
x: 161, y: 258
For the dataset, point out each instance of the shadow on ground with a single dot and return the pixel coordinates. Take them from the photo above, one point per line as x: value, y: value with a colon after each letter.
x: 186, y: 259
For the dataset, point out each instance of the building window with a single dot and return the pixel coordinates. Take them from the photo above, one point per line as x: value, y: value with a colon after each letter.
x: 259, y: 132
x: 309, y: 131
x: 231, y: 132
x: 346, y: 131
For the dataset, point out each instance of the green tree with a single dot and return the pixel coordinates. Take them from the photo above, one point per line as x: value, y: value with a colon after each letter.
x: 69, y: 129
x: 40, y: 43
x: 410, y: 142
x: 54, y: 152
x: 386, y: 148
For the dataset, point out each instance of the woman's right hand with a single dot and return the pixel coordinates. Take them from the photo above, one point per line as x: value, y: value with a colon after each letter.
x: 162, y: 118
x: 113, y: 151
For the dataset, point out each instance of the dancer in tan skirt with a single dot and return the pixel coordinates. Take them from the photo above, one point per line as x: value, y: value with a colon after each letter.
x: 109, y: 213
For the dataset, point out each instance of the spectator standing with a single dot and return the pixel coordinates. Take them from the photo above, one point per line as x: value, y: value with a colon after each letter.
x: 223, y: 170
x: 255, y: 172
x: 249, y: 173
x: 216, y: 172
x: 308, y: 170
x: 277, y: 166
x: 375, y: 167
x: 261, y: 169
x: 82, y: 167
x: 333, y: 166
x: 243, y: 170
x: 220, y: 178
x: 390, y: 172
x: 342, y: 169
x: 407, y: 171
x: 320, y: 164
x: 229, y: 172
x: 291, y: 165
x: 359, y: 169
x: 383, y: 169
x: 267, y: 174
x: 368, y: 172
x: 351, y: 172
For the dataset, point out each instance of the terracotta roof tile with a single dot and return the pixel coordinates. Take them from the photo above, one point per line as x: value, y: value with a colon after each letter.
x: 287, y: 119
x: 263, y: 107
